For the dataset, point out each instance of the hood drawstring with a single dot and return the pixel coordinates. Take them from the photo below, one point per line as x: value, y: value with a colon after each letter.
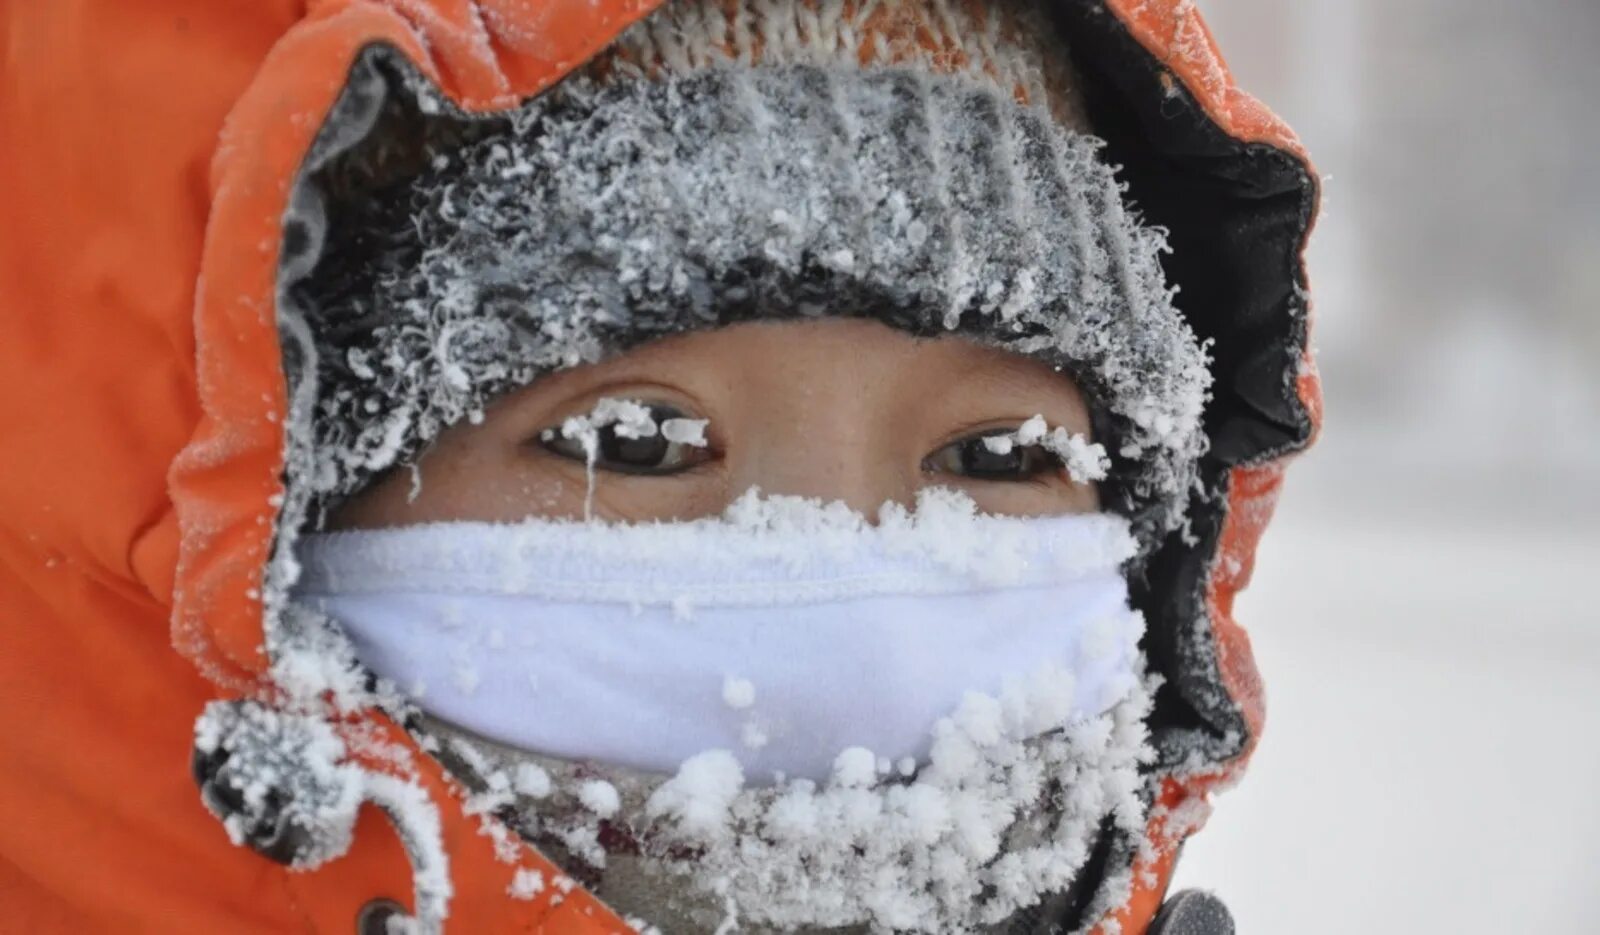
x: 285, y: 785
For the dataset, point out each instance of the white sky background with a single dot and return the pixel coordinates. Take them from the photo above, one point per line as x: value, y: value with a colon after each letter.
x: 1425, y: 609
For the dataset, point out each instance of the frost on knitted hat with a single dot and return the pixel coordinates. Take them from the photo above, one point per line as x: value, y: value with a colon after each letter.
x: 608, y: 214
x: 1011, y: 45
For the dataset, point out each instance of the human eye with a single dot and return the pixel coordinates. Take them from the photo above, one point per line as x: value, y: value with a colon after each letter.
x: 994, y: 455
x: 630, y: 437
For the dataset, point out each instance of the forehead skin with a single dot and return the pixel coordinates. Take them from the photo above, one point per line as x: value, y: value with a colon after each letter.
x: 841, y: 409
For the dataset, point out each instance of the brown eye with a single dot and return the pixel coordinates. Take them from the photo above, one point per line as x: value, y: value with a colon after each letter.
x: 991, y: 457
x: 624, y: 451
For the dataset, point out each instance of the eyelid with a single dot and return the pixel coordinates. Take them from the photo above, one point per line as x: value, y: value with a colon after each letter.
x: 647, y: 394
x: 642, y: 391
x: 980, y: 429
x: 676, y: 458
x: 570, y: 412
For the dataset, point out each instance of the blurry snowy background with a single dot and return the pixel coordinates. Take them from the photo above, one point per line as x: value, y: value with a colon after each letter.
x: 1426, y: 610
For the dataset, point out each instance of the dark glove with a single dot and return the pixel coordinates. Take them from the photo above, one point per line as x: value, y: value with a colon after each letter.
x: 1192, y: 912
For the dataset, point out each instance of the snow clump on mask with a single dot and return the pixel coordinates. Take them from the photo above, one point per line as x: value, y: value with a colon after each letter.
x: 610, y: 214
x: 1000, y: 818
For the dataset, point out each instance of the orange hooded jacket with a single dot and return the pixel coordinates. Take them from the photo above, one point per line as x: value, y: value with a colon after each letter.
x: 147, y: 152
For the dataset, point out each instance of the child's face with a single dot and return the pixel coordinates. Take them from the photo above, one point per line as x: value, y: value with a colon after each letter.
x: 841, y: 409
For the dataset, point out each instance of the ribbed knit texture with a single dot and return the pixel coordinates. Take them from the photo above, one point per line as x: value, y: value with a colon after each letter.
x: 1008, y: 44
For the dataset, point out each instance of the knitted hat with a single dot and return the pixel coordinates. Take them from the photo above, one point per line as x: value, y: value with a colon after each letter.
x: 1005, y: 45
x: 922, y: 163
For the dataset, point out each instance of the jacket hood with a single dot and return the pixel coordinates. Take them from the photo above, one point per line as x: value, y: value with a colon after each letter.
x: 195, y: 407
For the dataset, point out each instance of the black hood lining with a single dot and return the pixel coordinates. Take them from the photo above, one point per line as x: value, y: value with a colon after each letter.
x: 1238, y: 216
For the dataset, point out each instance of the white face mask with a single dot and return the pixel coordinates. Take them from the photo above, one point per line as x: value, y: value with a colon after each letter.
x: 784, y: 632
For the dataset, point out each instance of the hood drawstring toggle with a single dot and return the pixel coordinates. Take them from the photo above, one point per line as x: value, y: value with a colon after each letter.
x: 283, y: 783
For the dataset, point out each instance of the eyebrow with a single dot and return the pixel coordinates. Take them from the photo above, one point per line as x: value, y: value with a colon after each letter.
x: 1023, y: 381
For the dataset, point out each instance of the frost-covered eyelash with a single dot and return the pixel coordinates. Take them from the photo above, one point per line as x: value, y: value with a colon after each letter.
x: 1085, y: 461
x: 630, y: 419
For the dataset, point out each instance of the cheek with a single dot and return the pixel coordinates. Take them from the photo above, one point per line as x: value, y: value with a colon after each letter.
x: 531, y: 485
x: 509, y: 482
x: 484, y: 483
x: 623, y: 498
x: 505, y: 483
x: 1029, y: 499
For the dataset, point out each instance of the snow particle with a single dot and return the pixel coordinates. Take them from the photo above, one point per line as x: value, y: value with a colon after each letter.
x: 699, y: 796
x: 531, y: 781
x: 691, y: 432
x: 855, y: 767
x: 526, y: 884
x: 600, y: 797
x: 738, y: 693
x: 752, y: 736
